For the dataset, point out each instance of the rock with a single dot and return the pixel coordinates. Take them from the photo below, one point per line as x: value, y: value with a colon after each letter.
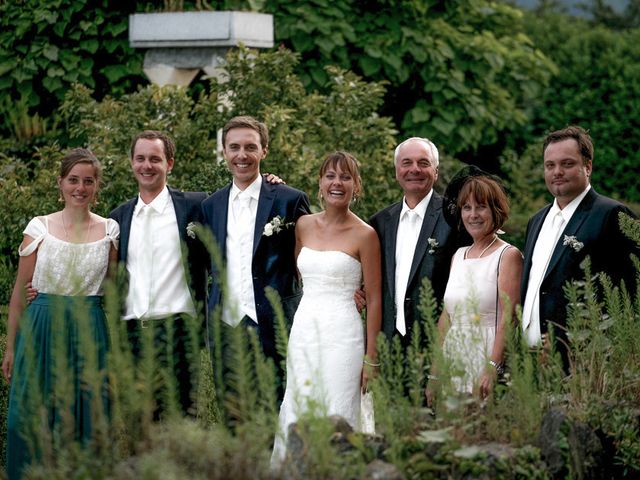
x: 340, y: 425
x: 379, y: 470
x: 297, y: 463
x: 570, y: 448
x: 341, y: 430
x: 491, y: 459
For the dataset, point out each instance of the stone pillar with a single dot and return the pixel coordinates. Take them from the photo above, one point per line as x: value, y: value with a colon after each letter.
x: 181, y: 44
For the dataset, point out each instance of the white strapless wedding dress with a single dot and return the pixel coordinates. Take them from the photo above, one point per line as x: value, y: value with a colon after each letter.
x: 326, y: 345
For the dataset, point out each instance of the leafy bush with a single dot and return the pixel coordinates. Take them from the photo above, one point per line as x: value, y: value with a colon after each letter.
x: 303, y: 129
x: 459, y: 72
x: 45, y: 47
x: 596, y: 87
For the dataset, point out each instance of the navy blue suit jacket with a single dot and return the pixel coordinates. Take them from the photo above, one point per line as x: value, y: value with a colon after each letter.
x: 273, y: 264
x: 187, y: 208
x: 434, y: 266
x: 595, y: 224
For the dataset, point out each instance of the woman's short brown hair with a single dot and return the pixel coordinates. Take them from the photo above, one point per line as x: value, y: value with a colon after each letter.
x: 488, y: 191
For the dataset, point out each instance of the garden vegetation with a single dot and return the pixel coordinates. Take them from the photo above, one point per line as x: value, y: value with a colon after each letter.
x: 483, y: 80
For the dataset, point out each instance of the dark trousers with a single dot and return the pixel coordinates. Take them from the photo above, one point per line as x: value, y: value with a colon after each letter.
x: 180, y: 359
x: 225, y: 358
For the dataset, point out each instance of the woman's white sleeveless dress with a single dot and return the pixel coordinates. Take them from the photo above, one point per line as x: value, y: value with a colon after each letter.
x: 470, y: 299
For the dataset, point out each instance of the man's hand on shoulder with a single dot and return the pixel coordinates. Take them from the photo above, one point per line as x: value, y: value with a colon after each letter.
x: 273, y: 179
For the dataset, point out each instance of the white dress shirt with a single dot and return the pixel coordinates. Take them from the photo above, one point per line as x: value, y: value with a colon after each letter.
x: 406, y: 240
x: 241, y: 222
x: 157, y: 282
x: 554, y: 224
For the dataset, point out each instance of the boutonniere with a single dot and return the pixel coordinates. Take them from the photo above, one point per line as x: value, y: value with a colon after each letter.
x: 572, y: 242
x: 191, y: 230
x: 433, y: 244
x: 276, y: 225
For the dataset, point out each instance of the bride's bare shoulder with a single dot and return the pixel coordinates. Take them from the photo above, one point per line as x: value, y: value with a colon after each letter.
x: 306, y: 222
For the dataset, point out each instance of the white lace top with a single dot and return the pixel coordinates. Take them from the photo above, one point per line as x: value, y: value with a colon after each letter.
x: 64, y: 268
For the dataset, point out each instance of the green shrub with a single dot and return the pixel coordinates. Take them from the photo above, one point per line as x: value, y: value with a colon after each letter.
x: 596, y: 87
x: 45, y: 47
x: 304, y: 128
x: 459, y: 72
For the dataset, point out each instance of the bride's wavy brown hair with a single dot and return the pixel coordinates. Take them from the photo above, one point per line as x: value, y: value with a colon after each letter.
x: 347, y: 163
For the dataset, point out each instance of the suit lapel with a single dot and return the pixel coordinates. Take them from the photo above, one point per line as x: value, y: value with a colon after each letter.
x: 390, y: 238
x: 219, y: 219
x: 125, y: 228
x: 572, y: 228
x: 428, y: 225
x: 181, y: 212
x: 265, y: 202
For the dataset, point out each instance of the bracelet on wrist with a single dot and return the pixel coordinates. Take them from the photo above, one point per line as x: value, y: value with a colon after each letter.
x: 371, y: 364
x: 498, y: 366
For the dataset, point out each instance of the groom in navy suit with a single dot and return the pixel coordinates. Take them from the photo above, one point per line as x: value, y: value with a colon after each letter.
x: 253, y: 223
x: 579, y: 223
x: 162, y: 284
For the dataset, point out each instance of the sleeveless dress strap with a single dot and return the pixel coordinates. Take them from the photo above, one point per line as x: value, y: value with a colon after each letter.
x: 36, y: 230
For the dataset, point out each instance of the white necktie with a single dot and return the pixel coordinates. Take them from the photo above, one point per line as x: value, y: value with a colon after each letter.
x: 145, y: 264
x: 242, y: 211
x: 550, y: 241
x: 412, y: 230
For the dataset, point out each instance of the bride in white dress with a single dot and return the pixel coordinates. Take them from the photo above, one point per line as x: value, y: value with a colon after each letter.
x: 327, y: 350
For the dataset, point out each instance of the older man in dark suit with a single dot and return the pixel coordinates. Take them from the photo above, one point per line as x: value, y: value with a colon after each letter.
x: 579, y: 223
x: 416, y: 240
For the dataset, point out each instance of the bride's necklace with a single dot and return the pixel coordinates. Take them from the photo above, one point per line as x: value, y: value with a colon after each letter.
x: 66, y: 234
x: 495, y: 237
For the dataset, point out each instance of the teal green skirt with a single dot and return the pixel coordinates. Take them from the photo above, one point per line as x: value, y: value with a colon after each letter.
x: 59, y: 385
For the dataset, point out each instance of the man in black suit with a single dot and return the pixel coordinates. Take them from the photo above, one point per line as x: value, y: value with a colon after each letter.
x: 579, y: 223
x: 416, y: 240
x: 164, y: 287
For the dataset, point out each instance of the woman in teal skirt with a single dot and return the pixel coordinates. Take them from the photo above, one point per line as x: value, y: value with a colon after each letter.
x: 55, y: 359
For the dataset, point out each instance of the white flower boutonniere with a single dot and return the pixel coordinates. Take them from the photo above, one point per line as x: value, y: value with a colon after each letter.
x: 191, y: 230
x: 433, y: 244
x: 276, y: 225
x: 572, y: 242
